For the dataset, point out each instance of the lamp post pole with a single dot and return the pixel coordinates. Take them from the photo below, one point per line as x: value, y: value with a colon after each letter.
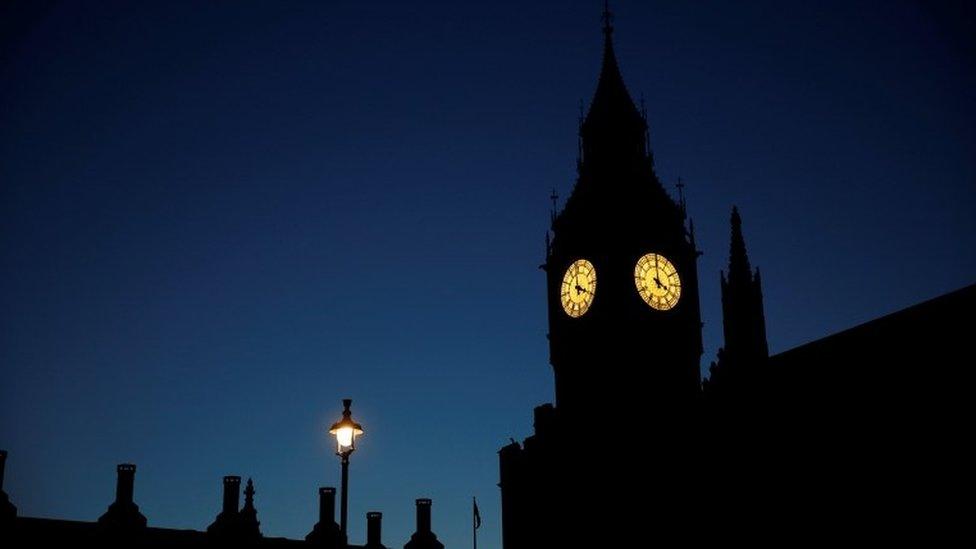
x: 345, y: 430
x: 343, y: 513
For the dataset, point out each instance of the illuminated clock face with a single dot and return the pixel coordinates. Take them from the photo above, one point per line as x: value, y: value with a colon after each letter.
x: 657, y: 281
x: 578, y: 288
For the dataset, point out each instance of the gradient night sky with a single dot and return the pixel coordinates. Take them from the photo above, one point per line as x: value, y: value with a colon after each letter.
x: 217, y: 219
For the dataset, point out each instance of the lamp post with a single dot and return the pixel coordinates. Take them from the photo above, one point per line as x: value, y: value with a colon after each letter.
x: 345, y: 431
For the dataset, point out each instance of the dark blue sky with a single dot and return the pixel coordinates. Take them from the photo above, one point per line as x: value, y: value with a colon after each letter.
x: 217, y: 219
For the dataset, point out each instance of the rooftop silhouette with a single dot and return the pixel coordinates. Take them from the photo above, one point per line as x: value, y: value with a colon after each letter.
x: 234, y: 526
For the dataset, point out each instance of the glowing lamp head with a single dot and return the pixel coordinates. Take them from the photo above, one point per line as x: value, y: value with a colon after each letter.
x: 344, y: 436
x: 345, y: 431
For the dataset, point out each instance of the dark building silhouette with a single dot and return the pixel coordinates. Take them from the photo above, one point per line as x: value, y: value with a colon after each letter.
x: 124, y: 526
x: 778, y: 449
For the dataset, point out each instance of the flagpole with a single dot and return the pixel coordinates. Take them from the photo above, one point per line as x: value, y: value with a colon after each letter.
x: 474, y: 522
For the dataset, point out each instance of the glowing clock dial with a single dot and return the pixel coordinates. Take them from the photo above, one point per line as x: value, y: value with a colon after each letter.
x: 578, y: 288
x: 657, y: 281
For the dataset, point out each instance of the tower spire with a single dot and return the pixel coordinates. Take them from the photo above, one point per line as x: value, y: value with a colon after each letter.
x: 613, y: 124
x: 745, y: 351
x: 739, y: 269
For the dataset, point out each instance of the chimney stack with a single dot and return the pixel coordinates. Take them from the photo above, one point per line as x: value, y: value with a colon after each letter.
x: 230, y: 523
x: 326, y: 533
x: 327, y: 504
x: 232, y: 494
x: 423, y: 538
x: 374, y: 523
x: 423, y: 515
x: 123, y: 514
x: 125, y: 483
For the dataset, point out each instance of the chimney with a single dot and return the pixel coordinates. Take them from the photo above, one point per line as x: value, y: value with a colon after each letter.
x: 423, y: 538
x: 232, y: 494
x: 326, y: 532
x: 125, y: 483
x: 326, y: 504
x: 423, y: 515
x: 123, y: 514
x: 3, y: 463
x: 374, y: 523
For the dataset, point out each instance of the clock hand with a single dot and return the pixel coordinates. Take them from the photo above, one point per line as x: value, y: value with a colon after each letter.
x: 659, y: 285
x: 580, y: 289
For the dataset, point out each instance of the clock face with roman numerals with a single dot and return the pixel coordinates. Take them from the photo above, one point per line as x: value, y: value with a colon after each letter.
x: 657, y: 281
x: 578, y: 288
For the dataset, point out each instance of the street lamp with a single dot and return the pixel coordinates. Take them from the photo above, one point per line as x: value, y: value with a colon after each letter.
x: 345, y: 431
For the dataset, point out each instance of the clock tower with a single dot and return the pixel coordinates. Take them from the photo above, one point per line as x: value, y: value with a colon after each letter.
x: 622, y: 281
x: 625, y: 345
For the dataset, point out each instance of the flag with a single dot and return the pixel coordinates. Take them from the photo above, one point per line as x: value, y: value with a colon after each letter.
x: 477, y: 515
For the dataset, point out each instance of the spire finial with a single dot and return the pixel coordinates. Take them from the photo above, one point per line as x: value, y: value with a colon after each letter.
x: 607, y: 19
